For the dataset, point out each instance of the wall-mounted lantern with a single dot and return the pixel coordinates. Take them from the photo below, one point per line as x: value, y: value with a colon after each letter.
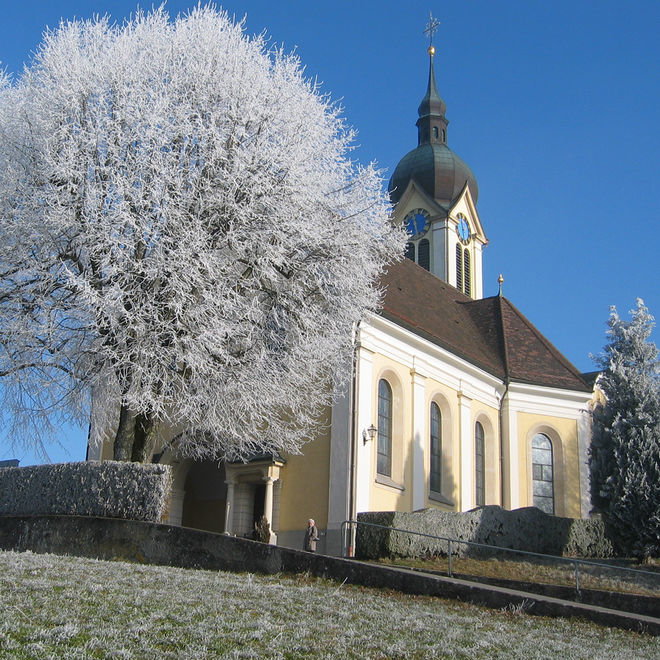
x: 369, y: 434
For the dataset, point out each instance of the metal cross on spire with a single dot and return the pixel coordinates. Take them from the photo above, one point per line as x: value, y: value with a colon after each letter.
x: 431, y: 28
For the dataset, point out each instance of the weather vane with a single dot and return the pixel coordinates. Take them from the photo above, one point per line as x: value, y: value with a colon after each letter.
x: 431, y: 28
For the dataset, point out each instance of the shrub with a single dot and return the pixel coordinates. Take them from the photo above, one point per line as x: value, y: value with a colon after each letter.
x: 109, y: 489
x: 527, y: 529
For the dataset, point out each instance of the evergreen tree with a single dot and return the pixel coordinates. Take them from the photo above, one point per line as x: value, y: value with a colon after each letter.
x: 625, y: 451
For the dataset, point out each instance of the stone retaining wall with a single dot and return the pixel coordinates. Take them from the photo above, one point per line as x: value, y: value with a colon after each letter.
x: 115, y: 539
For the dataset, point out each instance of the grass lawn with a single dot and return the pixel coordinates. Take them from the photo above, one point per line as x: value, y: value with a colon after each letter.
x: 65, y: 607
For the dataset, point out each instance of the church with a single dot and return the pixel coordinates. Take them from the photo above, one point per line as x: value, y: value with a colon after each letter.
x: 454, y: 400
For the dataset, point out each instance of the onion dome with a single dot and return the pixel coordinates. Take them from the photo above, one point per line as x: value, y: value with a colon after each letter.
x: 433, y: 165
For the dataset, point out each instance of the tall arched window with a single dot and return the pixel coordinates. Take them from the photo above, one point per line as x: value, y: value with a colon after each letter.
x: 384, y: 461
x: 436, y: 449
x: 542, y: 477
x: 424, y: 254
x: 479, y: 465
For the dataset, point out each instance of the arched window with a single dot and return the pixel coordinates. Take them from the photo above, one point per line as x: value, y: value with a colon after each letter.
x: 384, y: 461
x: 459, y: 267
x: 542, y: 478
x: 424, y: 254
x: 479, y: 465
x: 435, y: 132
x: 436, y: 449
x: 410, y: 251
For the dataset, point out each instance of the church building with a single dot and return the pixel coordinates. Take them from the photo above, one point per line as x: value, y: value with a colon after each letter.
x: 454, y: 401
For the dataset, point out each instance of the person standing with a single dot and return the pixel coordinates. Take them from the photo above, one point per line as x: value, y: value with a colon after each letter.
x: 311, y: 536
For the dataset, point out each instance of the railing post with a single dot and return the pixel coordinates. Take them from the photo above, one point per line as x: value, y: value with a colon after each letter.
x: 449, y: 557
x: 577, y: 578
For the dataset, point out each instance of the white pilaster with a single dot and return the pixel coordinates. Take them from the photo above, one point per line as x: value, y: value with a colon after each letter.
x: 340, y: 467
x: 467, y: 485
x: 365, y: 417
x: 511, y: 455
x: 419, y: 434
x: 478, y: 275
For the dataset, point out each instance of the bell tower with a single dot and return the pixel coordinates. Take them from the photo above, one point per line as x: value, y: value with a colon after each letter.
x: 435, y: 193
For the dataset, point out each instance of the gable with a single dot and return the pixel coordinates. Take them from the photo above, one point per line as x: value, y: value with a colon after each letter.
x: 466, y: 206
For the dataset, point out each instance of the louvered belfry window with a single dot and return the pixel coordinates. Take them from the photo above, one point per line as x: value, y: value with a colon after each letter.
x: 410, y: 251
x: 463, y: 270
x: 459, y: 267
x: 467, y: 274
x: 424, y: 254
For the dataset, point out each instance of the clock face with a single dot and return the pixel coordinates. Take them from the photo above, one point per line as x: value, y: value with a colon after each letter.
x: 416, y: 223
x: 463, y: 229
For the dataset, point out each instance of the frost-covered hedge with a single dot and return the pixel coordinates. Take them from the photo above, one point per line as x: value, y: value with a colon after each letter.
x: 527, y: 529
x: 110, y: 489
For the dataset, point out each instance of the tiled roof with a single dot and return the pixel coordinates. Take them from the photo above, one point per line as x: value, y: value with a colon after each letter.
x: 489, y: 333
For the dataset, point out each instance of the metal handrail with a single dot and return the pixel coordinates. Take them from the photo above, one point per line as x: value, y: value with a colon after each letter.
x: 570, y: 560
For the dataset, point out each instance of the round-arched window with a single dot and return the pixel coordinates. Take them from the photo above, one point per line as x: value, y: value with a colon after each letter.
x: 479, y: 465
x: 542, y: 474
x: 384, y: 460
x: 436, y: 449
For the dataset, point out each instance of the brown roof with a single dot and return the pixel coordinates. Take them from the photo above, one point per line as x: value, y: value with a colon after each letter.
x: 489, y: 333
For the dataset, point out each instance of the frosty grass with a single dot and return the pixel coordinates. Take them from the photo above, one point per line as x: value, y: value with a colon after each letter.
x: 53, y: 606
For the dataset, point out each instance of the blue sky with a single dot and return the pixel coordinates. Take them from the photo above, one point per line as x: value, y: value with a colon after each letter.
x: 554, y: 105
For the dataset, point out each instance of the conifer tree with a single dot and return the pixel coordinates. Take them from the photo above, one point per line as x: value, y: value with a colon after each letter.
x: 625, y: 450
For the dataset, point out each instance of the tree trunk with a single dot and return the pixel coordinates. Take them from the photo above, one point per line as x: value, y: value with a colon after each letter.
x: 144, y: 436
x: 125, y: 435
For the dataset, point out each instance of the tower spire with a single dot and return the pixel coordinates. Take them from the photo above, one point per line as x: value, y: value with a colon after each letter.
x: 432, y: 123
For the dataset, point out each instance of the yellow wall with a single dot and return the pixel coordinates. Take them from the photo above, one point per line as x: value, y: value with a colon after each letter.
x: 305, y: 483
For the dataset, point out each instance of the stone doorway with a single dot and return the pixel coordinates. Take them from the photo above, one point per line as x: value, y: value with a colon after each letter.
x: 252, y: 491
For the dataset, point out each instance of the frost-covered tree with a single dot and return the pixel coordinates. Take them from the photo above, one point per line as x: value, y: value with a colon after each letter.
x: 625, y: 450
x: 183, y: 237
